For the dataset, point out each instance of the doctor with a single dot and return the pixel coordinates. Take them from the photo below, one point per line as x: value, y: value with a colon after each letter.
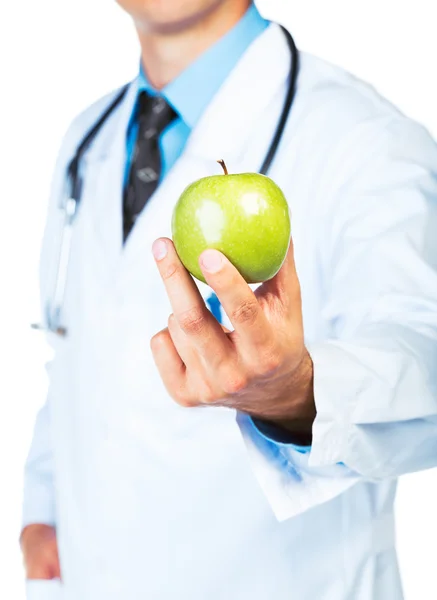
x: 260, y: 464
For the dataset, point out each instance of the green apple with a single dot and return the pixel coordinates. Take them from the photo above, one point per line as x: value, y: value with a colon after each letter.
x: 245, y: 216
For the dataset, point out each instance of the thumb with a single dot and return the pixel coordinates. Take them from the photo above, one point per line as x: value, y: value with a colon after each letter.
x: 284, y: 286
x: 52, y: 560
x: 55, y: 567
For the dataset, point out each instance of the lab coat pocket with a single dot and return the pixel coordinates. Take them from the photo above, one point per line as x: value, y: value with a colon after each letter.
x: 42, y: 589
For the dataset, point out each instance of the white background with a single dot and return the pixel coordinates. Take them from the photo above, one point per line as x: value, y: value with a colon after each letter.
x: 58, y: 56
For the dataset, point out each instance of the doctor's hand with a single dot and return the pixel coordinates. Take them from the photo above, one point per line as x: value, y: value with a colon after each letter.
x: 40, y: 552
x: 262, y: 368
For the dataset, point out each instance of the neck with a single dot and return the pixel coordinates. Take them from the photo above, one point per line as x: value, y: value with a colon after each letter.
x: 166, y: 52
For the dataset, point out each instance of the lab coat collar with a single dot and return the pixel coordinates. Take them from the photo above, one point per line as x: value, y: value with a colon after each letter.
x: 193, y: 89
x: 224, y: 131
x: 107, y: 143
x: 103, y: 169
x: 235, y: 111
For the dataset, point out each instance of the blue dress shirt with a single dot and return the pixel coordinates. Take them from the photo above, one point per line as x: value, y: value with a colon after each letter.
x: 189, y: 95
x: 191, y: 92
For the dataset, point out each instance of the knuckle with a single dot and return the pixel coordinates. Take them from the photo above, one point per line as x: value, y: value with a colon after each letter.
x: 192, y: 321
x: 181, y: 394
x: 269, y: 364
x: 234, y: 384
x: 295, y: 299
x: 294, y: 295
x: 157, y: 340
x: 183, y: 402
x: 207, y: 396
x: 169, y: 270
x: 208, y: 399
x: 171, y: 324
x: 246, y: 313
x: 181, y: 398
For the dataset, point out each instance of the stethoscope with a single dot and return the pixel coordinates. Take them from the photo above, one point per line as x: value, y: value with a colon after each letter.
x: 53, y: 311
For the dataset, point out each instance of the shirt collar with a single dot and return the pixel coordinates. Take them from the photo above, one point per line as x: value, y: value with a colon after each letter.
x: 191, y: 92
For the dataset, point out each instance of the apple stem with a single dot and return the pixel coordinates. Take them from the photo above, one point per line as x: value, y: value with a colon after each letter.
x: 223, y: 166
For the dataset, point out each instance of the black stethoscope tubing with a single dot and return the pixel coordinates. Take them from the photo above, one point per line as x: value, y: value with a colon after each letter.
x: 75, y: 180
x: 74, y: 175
x: 291, y: 93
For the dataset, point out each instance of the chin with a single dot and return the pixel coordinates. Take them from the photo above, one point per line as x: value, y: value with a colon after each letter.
x: 169, y: 16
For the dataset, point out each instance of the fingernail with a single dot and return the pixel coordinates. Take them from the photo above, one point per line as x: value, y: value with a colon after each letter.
x: 212, y: 261
x: 159, y: 249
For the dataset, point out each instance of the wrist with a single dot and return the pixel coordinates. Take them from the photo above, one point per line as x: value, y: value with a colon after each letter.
x: 278, y: 434
x: 295, y: 415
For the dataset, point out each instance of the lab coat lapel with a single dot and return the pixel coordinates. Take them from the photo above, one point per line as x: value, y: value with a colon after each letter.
x: 104, y: 176
x: 238, y: 111
x: 155, y: 219
x: 225, y: 130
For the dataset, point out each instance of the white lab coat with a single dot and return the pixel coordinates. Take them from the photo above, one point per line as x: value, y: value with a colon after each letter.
x: 156, y: 502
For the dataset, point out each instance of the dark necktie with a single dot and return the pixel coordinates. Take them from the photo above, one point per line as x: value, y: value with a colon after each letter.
x: 154, y: 115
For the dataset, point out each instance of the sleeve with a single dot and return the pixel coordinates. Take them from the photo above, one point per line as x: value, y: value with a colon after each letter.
x: 39, y: 485
x: 275, y: 433
x: 39, y: 482
x: 375, y: 374
x: 39, y: 495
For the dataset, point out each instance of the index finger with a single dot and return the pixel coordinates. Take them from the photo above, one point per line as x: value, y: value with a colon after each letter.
x: 188, y: 306
x: 285, y: 286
